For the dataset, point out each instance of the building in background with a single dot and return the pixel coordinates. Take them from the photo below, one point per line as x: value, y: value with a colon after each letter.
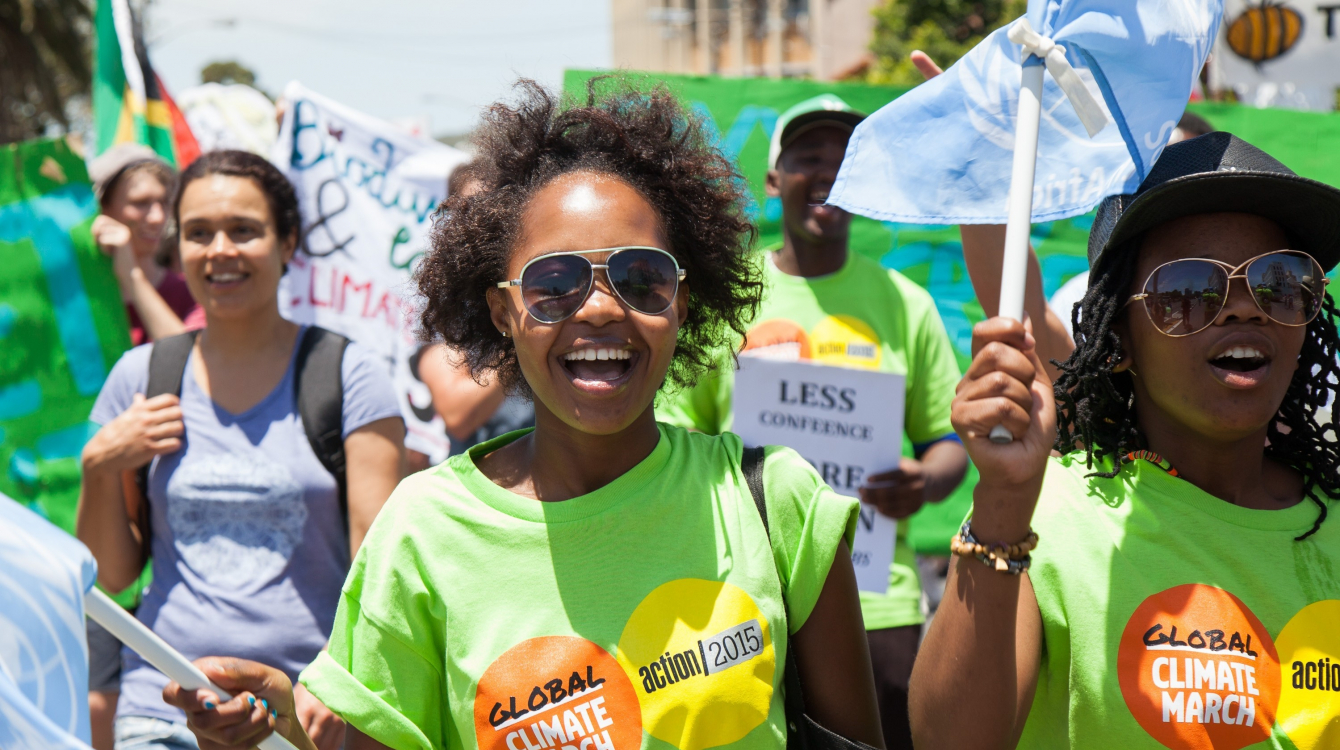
x: 823, y: 39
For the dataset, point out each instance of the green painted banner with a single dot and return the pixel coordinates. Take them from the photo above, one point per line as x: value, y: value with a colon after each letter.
x: 62, y: 324
x: 743, y: 112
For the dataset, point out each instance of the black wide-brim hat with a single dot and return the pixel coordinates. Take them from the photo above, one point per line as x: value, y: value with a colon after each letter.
x: 1214, y: 173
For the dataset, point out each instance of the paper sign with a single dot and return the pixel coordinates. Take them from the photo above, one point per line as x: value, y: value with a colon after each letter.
x: 848, y: 423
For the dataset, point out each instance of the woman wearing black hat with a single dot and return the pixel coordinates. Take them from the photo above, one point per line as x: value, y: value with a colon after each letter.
x: 1185, y: 589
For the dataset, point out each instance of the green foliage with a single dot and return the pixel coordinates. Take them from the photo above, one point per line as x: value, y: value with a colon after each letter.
x: 44, y: 62
x: 943, y: 29
x: 227, y: 71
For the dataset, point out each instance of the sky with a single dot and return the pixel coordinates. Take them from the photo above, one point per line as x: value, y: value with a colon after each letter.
x: 444, y: 59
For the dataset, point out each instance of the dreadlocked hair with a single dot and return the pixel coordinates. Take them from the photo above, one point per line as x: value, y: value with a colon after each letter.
x: 1096, y: 406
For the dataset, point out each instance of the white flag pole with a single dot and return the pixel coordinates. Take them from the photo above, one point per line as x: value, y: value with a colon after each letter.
x: 165, y: 659
x: 1014, y: 272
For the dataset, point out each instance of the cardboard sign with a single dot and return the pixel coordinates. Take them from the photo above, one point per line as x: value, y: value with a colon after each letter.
x: 848, y: 423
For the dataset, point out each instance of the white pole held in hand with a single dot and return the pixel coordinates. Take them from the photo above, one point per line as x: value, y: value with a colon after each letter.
x: 1014, y: 272
x: 163, y: 657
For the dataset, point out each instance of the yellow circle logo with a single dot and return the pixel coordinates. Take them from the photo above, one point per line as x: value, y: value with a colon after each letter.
x: 700, y: 656
x: 1309, y: 649
x: 846, y: 342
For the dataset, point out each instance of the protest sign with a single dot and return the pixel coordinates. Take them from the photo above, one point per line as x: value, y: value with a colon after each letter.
x: 848, y: 423
x: 62, y: 324
x: 368, y: 192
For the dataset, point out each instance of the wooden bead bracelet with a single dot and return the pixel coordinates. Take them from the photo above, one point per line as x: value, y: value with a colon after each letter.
x: 1005, y: 558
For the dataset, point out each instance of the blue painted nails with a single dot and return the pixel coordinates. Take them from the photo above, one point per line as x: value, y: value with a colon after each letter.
x: 251, y: 700
x: 209, y: 706
x: 264, y: 704
x: 274, y: 714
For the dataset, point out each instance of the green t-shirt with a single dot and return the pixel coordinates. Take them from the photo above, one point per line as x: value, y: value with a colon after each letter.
x: 1172, y: 618
x: 864, y: 316
x: 645, y: 613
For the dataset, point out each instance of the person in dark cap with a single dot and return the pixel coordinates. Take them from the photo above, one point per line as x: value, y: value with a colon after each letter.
x: 1184, y: 588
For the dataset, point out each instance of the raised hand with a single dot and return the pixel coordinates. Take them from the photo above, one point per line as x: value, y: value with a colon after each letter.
x: 1005, y: 384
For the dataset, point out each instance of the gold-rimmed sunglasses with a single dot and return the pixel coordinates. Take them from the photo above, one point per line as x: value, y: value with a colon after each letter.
x: 1185, y: 296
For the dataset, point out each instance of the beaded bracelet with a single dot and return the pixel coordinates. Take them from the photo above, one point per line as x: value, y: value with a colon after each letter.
x: 1005, y: 558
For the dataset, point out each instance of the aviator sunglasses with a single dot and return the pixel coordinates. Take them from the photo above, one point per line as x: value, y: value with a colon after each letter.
x: 555, y: 286
x: 1185, y: 296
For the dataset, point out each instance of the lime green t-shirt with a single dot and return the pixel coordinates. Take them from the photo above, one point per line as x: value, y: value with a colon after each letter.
x: 864, y: 316
x: 1174, y: 619
x: 648, y: 613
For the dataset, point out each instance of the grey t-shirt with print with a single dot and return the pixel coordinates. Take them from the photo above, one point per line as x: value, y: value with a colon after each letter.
x: 249, y: 546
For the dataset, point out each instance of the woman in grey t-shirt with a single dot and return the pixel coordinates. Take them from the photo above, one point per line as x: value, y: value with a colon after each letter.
x: 248, y: 541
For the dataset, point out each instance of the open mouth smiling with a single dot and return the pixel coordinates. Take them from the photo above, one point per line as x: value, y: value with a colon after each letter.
x: 226, y: 278
x: 599, y: 368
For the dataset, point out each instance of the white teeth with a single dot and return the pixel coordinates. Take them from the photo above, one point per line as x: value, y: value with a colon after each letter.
x: 224, y: 278
x: 594, y: 354
x: 1242, y: 352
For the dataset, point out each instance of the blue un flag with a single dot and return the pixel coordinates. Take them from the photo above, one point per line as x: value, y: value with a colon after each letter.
x: 941, y: 154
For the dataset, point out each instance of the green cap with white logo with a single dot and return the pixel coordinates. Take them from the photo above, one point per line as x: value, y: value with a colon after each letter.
x: 822, y: 110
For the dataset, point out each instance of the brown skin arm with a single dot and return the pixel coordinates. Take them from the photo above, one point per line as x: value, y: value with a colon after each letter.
x: 972, y: 685
x: 834, y: 659
x: 463, y: 404
x: 375, y: 464
x: 984, y: 254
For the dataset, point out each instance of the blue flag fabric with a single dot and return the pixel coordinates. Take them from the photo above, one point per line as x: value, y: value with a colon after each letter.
x: 44, y: 574
x: 942, y: 153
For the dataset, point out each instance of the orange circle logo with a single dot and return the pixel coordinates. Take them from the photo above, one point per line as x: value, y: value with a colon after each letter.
x: 554, y: 692
x: 1198, y: 670
x: 778, y: 339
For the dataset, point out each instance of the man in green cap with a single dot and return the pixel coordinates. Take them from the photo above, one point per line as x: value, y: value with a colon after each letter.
x: 831, y: 306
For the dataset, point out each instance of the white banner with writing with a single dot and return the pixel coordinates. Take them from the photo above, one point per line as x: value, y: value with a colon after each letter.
x: 367, y: 191
x: 848, y: 423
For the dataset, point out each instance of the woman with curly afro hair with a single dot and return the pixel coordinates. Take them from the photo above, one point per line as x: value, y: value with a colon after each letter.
x: 1185, y: 586
x: 601, y: 581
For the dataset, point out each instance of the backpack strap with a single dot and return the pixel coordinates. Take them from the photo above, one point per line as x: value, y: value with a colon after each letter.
x: 751, y: 465
x: 319, y: 393
x: 167, y: 368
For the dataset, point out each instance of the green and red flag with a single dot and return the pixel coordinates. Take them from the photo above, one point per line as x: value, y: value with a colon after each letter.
x: 130, y: 103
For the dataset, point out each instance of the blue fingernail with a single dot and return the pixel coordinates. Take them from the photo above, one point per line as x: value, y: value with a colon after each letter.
x: 251, y: 700
x: 264, y: 704
x: 274, y: 713
x: 209, y: 705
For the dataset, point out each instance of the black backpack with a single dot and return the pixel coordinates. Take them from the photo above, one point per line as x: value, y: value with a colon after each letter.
x: 803, y: 732
x: 318, y: 390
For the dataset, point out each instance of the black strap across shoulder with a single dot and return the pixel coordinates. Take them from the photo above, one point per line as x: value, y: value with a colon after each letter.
x: 803, y: 733
x: 318, y: 391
